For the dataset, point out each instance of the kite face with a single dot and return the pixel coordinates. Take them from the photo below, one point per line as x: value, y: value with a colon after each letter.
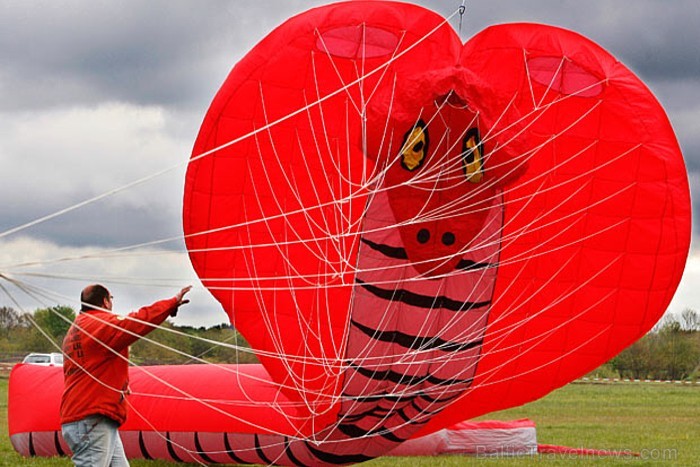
x: 434, y: 185
x: 372, y: 187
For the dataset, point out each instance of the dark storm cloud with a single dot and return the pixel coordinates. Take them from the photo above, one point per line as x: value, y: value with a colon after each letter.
x: 656, y: 38
x: 75, y: 53
x: 103, y: 224
x: 155, y: 52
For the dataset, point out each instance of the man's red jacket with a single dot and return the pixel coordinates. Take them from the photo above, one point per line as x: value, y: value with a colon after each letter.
x: 96, y: 367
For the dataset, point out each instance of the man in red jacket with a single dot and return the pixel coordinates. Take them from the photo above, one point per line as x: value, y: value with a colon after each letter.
x: 96, y: 373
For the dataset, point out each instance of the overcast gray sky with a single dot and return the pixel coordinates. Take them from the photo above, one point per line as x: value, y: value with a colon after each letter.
x: 96, y: 94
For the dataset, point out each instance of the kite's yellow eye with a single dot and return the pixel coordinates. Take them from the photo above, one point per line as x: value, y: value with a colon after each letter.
x: 415, y: 147
x: 473, y: 157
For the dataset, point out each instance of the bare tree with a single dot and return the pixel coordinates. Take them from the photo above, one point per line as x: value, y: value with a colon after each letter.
x: 690, y: 320
x: 9, y: 319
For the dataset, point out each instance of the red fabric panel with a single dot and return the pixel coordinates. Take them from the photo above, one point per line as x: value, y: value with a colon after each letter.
x: 237, y: 399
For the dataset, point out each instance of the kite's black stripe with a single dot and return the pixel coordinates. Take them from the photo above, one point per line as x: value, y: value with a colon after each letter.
x: 413, y: 421
x: 202, y: 453
x: 386, y: 250
x: 290, y: 454
x: 230, y: 452
x: 142, y: 445
x: 449, y: 382
x: 425, y: 411
x: 260, y: 452
x: 405, y: 417
x: 415, y: 342
x: 390, y: 436
x: 57, y: 442
x: 393, y: 376
x: 32, y: 451
x: 171, y: 449
x: 337, y: 458
x: 379, y: 412
x: 375, y: 397
x: 400, y: 253
x: 355, y: 431
x: 404, y: 398
x: 421, y: 301
x: 437, y: 400
x: 401, y: 378
x: 469, y: 265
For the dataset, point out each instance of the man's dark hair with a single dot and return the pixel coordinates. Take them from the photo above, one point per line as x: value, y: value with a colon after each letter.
x: 93, y: 296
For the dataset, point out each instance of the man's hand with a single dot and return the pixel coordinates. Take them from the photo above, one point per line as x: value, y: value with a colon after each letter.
x: 181, y: 295
x: 181, y: 300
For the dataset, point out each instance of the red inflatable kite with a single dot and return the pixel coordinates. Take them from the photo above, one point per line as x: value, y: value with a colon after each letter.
x: 411, y: 231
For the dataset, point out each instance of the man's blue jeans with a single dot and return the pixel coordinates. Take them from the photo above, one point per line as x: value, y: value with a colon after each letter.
x: 95, y: 442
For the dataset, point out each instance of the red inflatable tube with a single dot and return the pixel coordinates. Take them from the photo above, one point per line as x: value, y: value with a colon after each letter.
x: 163, y: 422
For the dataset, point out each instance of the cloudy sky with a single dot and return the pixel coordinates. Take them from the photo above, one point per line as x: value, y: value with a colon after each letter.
x: 100, y: 103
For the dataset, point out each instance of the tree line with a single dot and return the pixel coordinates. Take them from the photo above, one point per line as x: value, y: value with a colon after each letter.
x: 44, y: 330
x: 670, y: 351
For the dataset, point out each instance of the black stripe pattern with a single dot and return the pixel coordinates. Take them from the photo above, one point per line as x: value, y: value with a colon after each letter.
x: 406, y: 379
x: 142, y: 446
x: 231, y: 453
x: 386, y: 250
x: 421, y: 301
x: 415, y: 342
x: 469, y: 265
x: 57, y: 442
x: 171, y: 448
x: 202, y: 453
x: 32, y: 450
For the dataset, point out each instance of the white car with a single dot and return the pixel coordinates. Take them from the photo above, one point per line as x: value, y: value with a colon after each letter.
x: 45, y: 359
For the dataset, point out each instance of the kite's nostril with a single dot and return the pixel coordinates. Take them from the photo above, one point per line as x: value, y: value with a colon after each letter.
x: 423, y: 236
x: 448, y: 238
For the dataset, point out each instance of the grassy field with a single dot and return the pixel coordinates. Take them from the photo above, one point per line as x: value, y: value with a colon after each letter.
x: 660, y: 422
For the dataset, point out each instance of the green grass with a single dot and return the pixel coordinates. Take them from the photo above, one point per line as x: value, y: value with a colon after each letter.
x: 659, y: 421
